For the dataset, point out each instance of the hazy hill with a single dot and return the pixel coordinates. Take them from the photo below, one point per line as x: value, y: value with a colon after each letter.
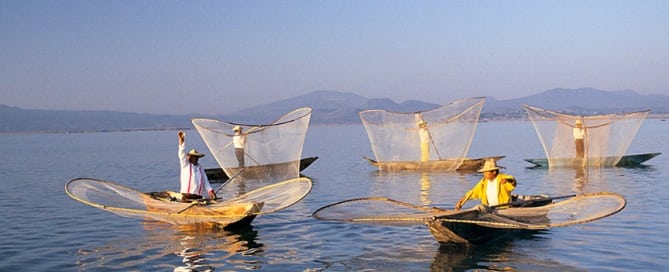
x: 329, y: 107
x: 586, y: 101
x: 15, y: 119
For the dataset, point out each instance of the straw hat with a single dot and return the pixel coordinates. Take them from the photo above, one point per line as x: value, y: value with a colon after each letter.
x: 578, y: 122
x: 194, y: 153
x: 421, y: 122
x: 237, y: 128
x: 489, y: 165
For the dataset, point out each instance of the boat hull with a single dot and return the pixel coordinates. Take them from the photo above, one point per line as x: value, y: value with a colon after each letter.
x: 174, y: 211
x: 626, y: 161
x: 458, y: 231
x: 218, y: 175
x: 436, y: 165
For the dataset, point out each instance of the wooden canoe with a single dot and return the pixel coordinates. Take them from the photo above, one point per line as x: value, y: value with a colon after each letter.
x: 435, y: 165
x: 626, y: 161
x: 178, y: 209
x: 218, y: 175
x: 450, y: 232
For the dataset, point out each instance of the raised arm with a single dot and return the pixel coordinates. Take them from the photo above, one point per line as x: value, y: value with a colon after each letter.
x: 182, y: 137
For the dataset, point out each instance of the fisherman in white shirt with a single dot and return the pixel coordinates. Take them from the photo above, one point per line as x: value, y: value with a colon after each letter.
x: 193, y: 177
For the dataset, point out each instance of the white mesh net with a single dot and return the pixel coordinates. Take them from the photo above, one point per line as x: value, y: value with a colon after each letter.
x: 271, y: 152
x: 127, y: 202
x: 569, y: 211
x: 435, y: 139
x: 587, y: 141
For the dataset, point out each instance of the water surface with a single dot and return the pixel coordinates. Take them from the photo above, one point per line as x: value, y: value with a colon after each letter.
x: 45, y: 230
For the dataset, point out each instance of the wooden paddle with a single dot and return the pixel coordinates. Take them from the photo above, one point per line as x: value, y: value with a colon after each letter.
x: 518, y: 202
x: 530, y: 201
x: 228, y: 180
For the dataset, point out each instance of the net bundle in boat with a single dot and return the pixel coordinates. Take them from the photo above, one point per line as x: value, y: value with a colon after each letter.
x: 568, y: 211
x: 443, y: 134
x: 127, y: 202
x: 272, y: 152
x: 573, y: 140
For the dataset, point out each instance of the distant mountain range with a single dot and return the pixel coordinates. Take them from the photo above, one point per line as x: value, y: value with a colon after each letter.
x: 329, y: 107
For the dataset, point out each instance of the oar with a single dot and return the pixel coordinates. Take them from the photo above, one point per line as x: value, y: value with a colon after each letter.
x: 529, y: 201
x: 429, y: 134
x: 229, y: 179
x: 254, y: 160
x: 514, y: 203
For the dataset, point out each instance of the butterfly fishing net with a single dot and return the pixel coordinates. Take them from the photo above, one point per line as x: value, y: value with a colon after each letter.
x: 438, y: 138
x: 269, y: 152
x: 588, y: 141
x: 127, y: 202
x: 552, y: 213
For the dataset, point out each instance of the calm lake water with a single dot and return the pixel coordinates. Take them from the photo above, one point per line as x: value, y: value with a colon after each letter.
x: 44, y: 230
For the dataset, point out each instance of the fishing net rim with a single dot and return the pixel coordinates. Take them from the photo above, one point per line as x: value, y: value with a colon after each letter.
x: 434, y: 215
x: 521, y: 225
x: 306, y: 192
x: 427, y: 110
x: 142, y: 212
x: 273, y: 123
x: 374, y: 198
x: 528, y: 107
x: 177, y: 214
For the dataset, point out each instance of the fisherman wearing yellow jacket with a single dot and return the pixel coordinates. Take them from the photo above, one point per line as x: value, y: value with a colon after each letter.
x: 493, y: 189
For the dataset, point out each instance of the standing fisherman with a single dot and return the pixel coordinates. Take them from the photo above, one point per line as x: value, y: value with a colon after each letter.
x: 239, y: 141
x: 424, y: 135
x: 193, y: 178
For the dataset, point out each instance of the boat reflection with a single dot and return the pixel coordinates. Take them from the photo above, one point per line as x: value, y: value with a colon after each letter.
x: 205, y: 246
x: 425, y: 189
x: 497, y: 255
x: 580, y: 180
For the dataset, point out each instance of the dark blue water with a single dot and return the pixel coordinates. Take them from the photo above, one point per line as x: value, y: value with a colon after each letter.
x: 44, y: 230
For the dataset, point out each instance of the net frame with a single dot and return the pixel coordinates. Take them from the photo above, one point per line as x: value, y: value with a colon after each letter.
x: 127, y: 202
x: 398, y: 140
x: 384, y: 211
x: 606, y: 137
x: 272, y: 152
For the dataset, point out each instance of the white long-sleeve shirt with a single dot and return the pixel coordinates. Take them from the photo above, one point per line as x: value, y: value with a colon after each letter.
x: 239, y: 140
x: 193, y: 178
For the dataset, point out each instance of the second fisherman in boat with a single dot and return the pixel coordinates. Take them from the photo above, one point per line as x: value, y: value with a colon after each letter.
x: 493, y: 189
x: 424, y: 134
x: 239, y: 140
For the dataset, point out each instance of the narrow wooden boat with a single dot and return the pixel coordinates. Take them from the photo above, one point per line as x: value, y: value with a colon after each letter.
x: 459, y: 229
x: 435, y: 165
x: 626, y: 161
x: 186, y: 209
x: 481, y: 223
x: 218, y: 175
x: 178, y: 208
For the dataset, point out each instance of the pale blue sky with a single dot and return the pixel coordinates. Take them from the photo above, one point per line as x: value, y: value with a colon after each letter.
x: 215, y: 57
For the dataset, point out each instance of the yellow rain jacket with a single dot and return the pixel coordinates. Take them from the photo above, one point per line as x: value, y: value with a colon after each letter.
x: 504, y: 196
